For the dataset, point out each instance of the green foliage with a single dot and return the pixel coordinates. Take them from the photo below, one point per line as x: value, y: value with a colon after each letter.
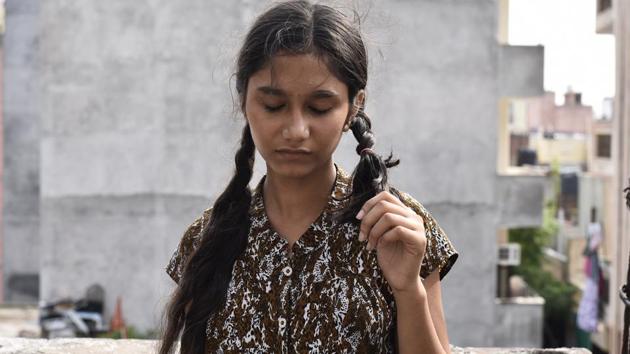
x: 534, y: 239
x: 558, y: 295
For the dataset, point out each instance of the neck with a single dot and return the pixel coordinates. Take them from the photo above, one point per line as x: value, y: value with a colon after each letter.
x: 294, y: 198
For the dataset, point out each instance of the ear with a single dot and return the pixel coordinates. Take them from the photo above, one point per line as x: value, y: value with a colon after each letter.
x: 244, y: 112
x: 359, y: 100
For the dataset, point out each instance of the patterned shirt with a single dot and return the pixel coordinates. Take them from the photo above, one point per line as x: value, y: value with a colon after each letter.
x: 328, y: 296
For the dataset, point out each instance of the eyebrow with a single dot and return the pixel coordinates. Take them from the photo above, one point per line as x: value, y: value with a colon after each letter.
x: 268, y: 90
x: 324, y: 94
x: 272, y: 91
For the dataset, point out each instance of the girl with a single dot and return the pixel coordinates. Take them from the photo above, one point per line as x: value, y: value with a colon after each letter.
x: 312, y: 259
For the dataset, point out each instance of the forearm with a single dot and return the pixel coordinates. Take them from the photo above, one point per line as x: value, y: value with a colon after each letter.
x: 416, y: 332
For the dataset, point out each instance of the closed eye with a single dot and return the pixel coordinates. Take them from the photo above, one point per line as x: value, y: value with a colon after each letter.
x: 273, y: 108
x: 319, y: 111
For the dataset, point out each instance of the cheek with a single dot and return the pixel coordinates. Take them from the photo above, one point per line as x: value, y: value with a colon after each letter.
x: 259, y: 133
x: 330, y: 133
x: 251, y: 117
x: 263, y: 130
x: 340, y: 116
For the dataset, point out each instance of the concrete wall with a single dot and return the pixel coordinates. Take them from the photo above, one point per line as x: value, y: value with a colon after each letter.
x: 21, y: 153
x: 591, y: 194
x: 518, y: 322
x: 621, y: 163
x: 522, y: 199
x: 137, y: 136
x: 433, y: 98
x: 521, y: 70
x: 134, y: 346
x: 1, y: 159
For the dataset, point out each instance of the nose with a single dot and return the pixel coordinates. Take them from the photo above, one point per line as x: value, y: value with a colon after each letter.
x: 296, y: 127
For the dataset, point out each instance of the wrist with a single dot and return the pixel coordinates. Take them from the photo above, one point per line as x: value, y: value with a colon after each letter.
x: 415, y: 291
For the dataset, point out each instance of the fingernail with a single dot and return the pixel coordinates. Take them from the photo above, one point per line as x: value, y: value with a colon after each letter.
x: 368, y: 247
x: 360, y: 214
x: 361, y: 236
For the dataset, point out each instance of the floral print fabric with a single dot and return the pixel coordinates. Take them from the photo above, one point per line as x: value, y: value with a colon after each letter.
x: 328, y: 296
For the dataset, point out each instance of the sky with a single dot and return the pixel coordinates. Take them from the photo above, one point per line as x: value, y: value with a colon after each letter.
x: 575, y: 55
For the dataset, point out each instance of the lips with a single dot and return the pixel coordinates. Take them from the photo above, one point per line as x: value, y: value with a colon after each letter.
x: 293, y: 151
x: 292, y: 154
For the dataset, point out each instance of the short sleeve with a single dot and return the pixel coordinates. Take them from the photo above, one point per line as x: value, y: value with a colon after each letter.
x: 187, y: 245
x: 440, y: 254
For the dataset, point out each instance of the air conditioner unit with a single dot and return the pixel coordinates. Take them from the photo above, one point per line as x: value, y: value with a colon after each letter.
x: 509, y: 254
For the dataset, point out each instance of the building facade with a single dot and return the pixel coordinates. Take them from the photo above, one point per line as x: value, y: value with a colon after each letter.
x: 133, y: 134
x: 613, y: 17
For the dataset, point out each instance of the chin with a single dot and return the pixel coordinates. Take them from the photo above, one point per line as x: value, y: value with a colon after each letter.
x: 292, y: 169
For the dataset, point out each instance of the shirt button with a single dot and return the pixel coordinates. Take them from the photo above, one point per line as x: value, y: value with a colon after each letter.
x: 282, y: 322
x: 287, y: 271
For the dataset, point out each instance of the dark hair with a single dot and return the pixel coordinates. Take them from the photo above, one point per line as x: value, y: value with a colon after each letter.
x: 627, y: 190
x: 294, y: 27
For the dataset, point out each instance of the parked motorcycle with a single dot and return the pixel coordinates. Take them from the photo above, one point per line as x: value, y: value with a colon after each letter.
x: 69, y: 318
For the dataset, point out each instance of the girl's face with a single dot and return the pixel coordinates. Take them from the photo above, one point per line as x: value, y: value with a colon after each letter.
x: 296, y: 109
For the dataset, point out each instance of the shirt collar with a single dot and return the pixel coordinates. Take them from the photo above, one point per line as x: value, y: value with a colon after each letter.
x: 322, y: 226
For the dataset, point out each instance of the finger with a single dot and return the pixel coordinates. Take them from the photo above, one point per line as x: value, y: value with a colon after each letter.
x: 387, y: 222
x: 415, y: 242
x: 369, y: 204
x: 376, y: 212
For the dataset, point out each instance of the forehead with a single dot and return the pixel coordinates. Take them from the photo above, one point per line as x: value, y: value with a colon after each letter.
x: 297, y: 75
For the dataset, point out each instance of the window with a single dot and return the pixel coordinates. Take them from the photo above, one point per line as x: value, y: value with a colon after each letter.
x: 602, y: 142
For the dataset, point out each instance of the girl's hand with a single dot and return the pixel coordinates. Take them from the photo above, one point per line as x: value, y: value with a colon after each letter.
x: 397, y: 233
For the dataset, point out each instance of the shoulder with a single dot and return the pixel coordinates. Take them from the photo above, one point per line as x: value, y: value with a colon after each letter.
x: 411, y: 202
x: 417, y: 207
x: 440, y: 253
x: 187, y: 245
x: 192, y: 235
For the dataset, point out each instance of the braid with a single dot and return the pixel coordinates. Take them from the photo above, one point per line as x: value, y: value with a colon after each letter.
x: 362, y: 131
x: 237, y: 191
x: 370, y: 175
x: 206, y: 277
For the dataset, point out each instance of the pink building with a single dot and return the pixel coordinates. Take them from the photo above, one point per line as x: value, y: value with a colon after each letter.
x: 572, y: 117
x: 554, y: 132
